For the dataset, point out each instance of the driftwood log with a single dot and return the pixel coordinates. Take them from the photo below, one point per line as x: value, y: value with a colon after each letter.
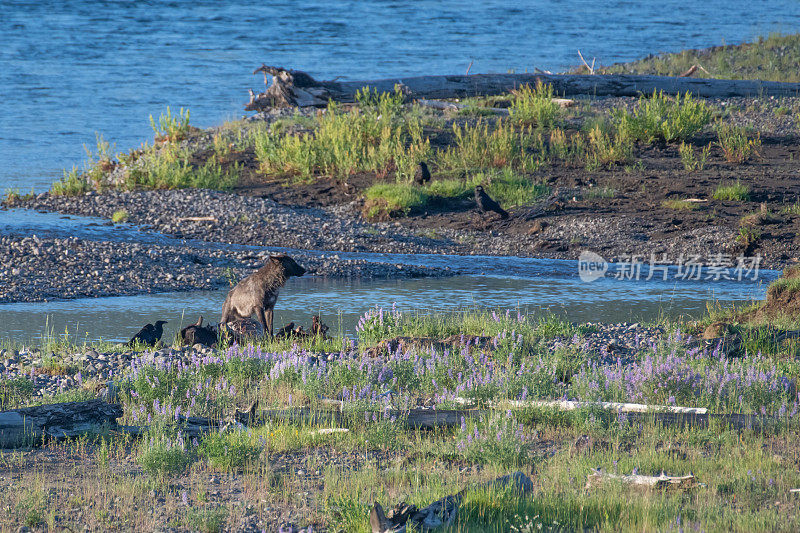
x: 569, y: 405
x: 290, y: 88
x: 403, y: 516
x: 32, y: 425
x: 598, y: 478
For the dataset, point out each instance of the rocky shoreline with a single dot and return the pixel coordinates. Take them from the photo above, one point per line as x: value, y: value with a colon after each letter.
x: 222, y: 217
x: 38, y: 269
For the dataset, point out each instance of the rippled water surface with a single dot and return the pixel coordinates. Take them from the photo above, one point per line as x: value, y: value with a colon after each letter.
x: 534, y: 285
x: 72, y: 68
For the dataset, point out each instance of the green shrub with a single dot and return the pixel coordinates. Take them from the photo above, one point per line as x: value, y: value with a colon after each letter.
x: 373, y: 138
x: 14, y: 392
x: 535, y: 106
x: 209, y: 520
x: 736, y: 192
x: 169, y: 127
x: 737, y: 146
x: 120, y: 215
x: 230, y: 450
x: 608, y: 148
x: 570, y: 149
x: 659, y: 117
x: 162, y: 457
x: 690, y: 161
x: 487, y: 146
x: 71, y: 183
x: 168, y: 167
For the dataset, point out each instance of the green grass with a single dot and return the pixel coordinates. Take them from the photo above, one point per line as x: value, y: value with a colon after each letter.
x: 169, y: 167
x: 732, y: 192
x: 490, y: 145
x: 394, y: 198
x: 659, y: 117
x: 231, y: 450
x: 507, y: 187
x: 772, y: 58
x: 162, y: 457
x: 793, y: 209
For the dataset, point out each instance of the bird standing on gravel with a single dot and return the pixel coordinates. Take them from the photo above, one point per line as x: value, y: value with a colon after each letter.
x: 149, y: 334
x: 422, y: 174
x: 485, y: 203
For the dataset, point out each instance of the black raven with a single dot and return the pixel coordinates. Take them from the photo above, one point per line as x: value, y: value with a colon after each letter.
x: 149, y: 334
x: 485, y: 203
x: 422, y: 175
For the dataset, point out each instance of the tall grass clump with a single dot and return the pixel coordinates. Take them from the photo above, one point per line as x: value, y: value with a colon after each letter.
x: 71, y: 183
x: 169, y: 167
x: 571, y: 149
x: 375, y: 137
x: 171, y: 127
x: 230, y: 450
x: 535, y: 106
x: 689, y: 158
x: 163, y: 457
x: 486, y: 146
x: 499, y: 439
x: 662, y: 118
x: 734, y: 192
x: 607, y: 148
x: 736, y: 144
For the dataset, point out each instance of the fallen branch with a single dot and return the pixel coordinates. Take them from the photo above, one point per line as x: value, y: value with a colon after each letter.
x: 590, y: 69
x: 290, y: 88
x: 598, y: 478
x: 31, y: 425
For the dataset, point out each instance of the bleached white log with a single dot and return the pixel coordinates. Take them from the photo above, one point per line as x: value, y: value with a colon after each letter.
x: 569, y: 405
x: 597, y: 478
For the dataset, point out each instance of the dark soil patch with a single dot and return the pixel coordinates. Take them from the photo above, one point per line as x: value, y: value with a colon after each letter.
x: 635, y: 193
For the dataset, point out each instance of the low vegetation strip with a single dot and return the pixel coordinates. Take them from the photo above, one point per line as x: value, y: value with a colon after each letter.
x: 403, y: 370
x: 770, y: 58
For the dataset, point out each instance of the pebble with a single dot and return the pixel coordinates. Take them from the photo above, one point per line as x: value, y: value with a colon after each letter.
x: 109, y: 268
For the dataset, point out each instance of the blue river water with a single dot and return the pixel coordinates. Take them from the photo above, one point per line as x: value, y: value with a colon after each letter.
x: 73, y: 68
